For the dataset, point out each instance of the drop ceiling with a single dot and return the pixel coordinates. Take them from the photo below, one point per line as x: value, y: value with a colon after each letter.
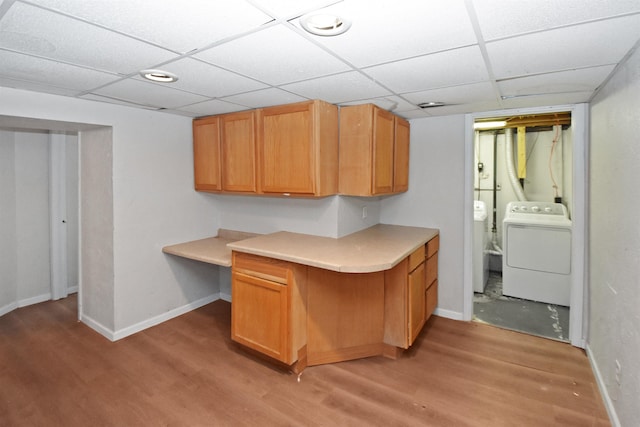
x: 233, y: 55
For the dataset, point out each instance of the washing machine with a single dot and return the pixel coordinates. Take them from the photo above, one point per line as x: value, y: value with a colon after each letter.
x: 536, y: 244
x: 480, y: 258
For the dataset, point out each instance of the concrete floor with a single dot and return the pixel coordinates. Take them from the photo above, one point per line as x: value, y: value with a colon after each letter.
x: 531, y: 317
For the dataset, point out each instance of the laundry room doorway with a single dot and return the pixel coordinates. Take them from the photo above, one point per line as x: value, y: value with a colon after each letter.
x: 526, y: 177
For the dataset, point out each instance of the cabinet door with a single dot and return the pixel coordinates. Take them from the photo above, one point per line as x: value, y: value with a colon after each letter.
x: 383, y: 128
x: 206, y: 154
x: 401, y: 156
x: 416, y: 302
x: 431, y: 301
x: 260, y: 315
x: 239, y: 152
x: 287, y: 150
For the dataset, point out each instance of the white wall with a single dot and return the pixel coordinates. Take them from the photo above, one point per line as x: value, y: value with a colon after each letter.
x: 333, y: 216
x: 71, y: 179
x: 8, y: 255
x: 154, y: 205
x: 615, y: 239
x: 32, y: 216
x: 97, y: 300
x: 436, y: 199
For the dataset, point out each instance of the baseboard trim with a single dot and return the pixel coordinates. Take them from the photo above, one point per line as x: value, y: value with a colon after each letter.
x: 130, y: 330
x: 608, y: 403
x: 449, y: 314
x: 8, y: 308
x: 98, y: 327
x: 24, y: 303
x: 34, y: 300
x: 225, y: 297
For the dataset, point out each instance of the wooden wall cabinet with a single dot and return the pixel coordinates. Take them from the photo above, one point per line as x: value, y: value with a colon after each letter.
x: 289, y: 150
x: 206, y: 154
x: 238, y: 152
x: 298, y: 146
x: 410, y: 295
x: 224, y: 153
x: 374, y: 151
x: 267, y: 314
x: 401, y: 155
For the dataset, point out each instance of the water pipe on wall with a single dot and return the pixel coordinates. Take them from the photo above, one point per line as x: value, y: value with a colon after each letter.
x: 495, y: 248
x: 511, y: 170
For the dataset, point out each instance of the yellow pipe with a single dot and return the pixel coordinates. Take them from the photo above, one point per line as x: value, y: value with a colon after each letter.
x: 522, y: 152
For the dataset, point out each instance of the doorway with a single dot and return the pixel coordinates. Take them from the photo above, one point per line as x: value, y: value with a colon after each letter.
x: 522, y: 165
x: 568, y: 190
x: 39, y: 216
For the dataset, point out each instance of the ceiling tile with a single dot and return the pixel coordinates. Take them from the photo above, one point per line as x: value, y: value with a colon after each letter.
x: 263, y: 56
x: 36, y: 31
x: 464, y: 108
x: 384, y: 31
x: 264, y: 98
x: 417, y: 113
x: 390, y: 103
x: 36, y: 87
x: 586, y: 45
x: 42, y: 71
x: 586, y: 79
x: 150, y: 94
x: 291, y: 8
x: 213, y: 107
x: 257, y: 55
x: 180, y: 26
x: 450, y: 68
x: 463, y: 94
x: 109, y: 100
x: 351, y: 86
x: 547, y: 100
x: 205, y: 79
x: 502, y: 18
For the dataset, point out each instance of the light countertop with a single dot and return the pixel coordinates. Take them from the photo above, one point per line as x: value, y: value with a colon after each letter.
x: 376, y: 248
x: 212, y: 250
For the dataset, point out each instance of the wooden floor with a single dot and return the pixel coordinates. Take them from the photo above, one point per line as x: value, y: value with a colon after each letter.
x: 55, y: 371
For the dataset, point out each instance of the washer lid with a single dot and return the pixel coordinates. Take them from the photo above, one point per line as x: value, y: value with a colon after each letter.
x: 537, y: 213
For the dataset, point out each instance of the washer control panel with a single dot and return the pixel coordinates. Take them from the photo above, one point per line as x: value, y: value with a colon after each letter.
x: 538, y: 208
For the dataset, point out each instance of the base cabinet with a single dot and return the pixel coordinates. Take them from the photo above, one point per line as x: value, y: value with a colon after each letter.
x: 302, y: 315
x: 410, y: 295
x: 431, y: 276
x: 266, y: 311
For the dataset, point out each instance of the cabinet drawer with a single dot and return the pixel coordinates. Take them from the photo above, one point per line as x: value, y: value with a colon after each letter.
x: 432, y: 269
x: 416, y: 258
x: 258, y: 266
x: 432, y: 246
x: 431, y: 301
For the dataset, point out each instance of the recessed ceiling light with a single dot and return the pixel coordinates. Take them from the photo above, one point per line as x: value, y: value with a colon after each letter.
x: 159, y: 76
x: 431, y: 104
x: 324, y: 24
